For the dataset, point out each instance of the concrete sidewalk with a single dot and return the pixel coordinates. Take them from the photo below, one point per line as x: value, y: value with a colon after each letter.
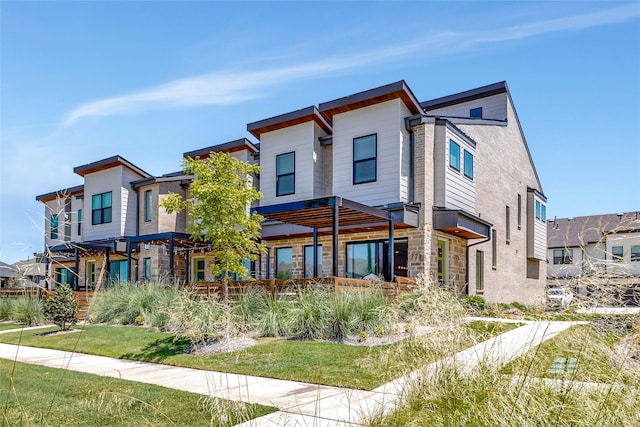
x: 299, y: 404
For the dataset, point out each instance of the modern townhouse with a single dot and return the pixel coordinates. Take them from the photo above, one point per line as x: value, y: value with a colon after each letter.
x: 596, y: 256
x: 373, y: 184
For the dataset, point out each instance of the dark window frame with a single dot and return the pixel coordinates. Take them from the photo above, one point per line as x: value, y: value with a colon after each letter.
x: 494, y: 250
x: 357, y: 162
x: 475, y: 110
x: 199, y: 272
x: 278, y: 262
x: 79, y: 222
x: 519, y: 211
x: 146, y: 273
x: 617, y: 253
x: 468, y: 155
x: 635, y: 253
x: 564, y: 258
x: 318, y: 260
x: 148, y: 201
x: 479, y: 271
x: 282, y: 175
x: 456, y: 166
x: 54, y: 223
x: 508, y: 224
x: 102, y: 210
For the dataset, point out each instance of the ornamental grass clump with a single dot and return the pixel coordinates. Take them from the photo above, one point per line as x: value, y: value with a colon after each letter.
x: 6, y: 308
x: 62, y: 307
x: 28, y: 310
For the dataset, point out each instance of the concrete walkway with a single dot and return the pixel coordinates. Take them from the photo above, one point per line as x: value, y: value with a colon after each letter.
x: 299, y: 404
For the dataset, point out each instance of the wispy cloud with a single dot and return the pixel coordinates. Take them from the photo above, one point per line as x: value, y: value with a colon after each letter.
x: 230, y: 87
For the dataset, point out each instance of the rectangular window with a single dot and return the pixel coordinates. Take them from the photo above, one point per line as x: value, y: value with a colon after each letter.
x: 147, y: 269
x: 563, y: 256
x: 118, y: 272
x: 363, y: 259
x: 249, y: 266
x: 468, y: 164
x: 635, y: 253
x: 284, y: 263
x: 494, y: 249
x: 479, y: 270
x: 285, y: 174
x: 519, y: 211
x: 54, y: 226
x: 308, y: 261
x: 66, y: 276
x: 507, y: 219
x: 91, y: 273
x: 147, y: 206
x: 537, y: 209
x: 617, y: 253
x: 365, y: 154
x: 79, y: 222
x: 101, y: 208
x: 475, y: 113
x: 198, y: 269
x: 543, y: 212
x: 454, y: 155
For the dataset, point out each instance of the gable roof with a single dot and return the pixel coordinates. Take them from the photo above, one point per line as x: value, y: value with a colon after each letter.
x: 373, y: 96
x: 289, y: 119
x: 580, y: 231
x: 108, y: 163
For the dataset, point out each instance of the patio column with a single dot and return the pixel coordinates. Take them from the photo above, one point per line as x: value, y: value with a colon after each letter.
x: 107, y: 273
x: 76, y: 256
x: 390, y: 267
x: 315, y: 252
x: 336, y: 222
x: 186, y: 267
x: 171, y: 257
x: 129, y: 261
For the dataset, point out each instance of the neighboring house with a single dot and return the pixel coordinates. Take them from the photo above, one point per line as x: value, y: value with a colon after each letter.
x: 444, y: 188
x: 597, y: 255
x: 8, y: 275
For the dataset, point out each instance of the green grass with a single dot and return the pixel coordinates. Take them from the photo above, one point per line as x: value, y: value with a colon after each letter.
x: 35, y: 395
x: 591, y: 348
x: 7, y: 326
x: 314, y: 362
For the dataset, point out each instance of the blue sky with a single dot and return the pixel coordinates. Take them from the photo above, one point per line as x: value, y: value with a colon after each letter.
x: 82, y: 81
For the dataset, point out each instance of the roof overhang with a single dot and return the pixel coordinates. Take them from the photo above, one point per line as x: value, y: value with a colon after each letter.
x: 469, y: 95
x: 460, y: 223
x: 304, y: 115
x: 227, y: 147
x: 318, y: 214
x: 380, y: 94
x: 108, y: 163
x: 61, y: 194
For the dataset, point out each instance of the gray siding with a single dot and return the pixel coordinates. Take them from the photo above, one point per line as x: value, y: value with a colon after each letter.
x: 493, y: 107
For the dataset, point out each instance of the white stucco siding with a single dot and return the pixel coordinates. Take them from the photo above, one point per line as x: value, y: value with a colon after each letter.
x: 318, y: 162
x: 386, y: 121
x: 298, y: 139
x: 493, y: 107
x: 55, y: 207
x: 98, y: 183
x: 624, y: 266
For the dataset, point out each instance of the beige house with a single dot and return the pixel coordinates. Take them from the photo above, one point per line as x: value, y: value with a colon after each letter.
x: 596, y: 256
x: 444, y: 188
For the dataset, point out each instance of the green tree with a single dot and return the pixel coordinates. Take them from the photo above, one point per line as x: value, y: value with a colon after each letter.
x: 62, y: 307
x: 218, y: 207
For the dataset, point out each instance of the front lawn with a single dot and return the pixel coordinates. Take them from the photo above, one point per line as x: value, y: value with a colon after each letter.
x: 35, y: 395
x: 314, y: 362
x: 581, y: 354
x: 5, y: 326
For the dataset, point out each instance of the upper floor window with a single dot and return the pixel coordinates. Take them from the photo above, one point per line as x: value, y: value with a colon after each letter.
x: 101, y: 208
x: 563, y: 256
x: 54, y: 226
x: 365, y: 159
x: 468, y: 164
x: 617, y: 253
x: 147, y: 206
x: 454, y: 155
x: 79, y: 222
x: 475, y: 113
x: 635, y: 253
x: 285, y: 174
x: 541, y: 211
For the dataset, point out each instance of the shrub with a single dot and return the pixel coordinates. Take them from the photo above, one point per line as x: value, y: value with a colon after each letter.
x: 474, y: 303
x: 519, y: 306
x: 123, y: 304
x: 275, y: 320
x: 6, y: 308
x: 28, y: 310
x: 429, y: 304
x: 62, y: 307
x: 341, y: 316
x: 249, y: 306
x: 308, y: 315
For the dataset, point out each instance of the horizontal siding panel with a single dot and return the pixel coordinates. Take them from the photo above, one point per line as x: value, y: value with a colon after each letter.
x: 493, y: 107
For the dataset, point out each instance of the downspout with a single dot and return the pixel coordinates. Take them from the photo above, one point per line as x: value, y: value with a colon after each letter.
x: 466, y: 270
x: 407, y: 126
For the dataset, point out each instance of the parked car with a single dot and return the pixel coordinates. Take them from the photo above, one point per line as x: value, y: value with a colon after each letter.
x: 559, y: 296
